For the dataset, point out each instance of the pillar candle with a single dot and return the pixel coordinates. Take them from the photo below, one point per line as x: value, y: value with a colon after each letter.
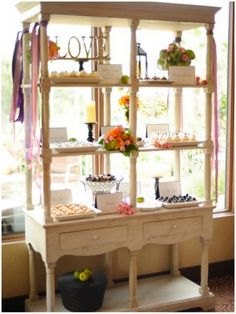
x: 90, y: 114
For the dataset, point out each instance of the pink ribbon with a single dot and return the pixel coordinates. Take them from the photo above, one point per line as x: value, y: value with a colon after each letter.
x: 32, y: 142
x: 35, y: 75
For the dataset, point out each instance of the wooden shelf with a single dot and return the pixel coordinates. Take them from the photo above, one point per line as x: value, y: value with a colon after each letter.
x: 165, y: 293
x: 62, y: 83
x: 77, y: 152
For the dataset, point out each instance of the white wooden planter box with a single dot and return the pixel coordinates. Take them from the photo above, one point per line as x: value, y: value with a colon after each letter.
x: 182, y: 74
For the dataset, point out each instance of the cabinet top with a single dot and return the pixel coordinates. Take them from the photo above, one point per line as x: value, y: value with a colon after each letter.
x: 169, y: 16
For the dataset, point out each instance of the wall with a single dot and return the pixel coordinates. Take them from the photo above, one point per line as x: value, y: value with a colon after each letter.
x: 152, y: 259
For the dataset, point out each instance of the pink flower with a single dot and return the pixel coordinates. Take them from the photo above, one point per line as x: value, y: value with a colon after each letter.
x: 160, y: 144
x: 185, y: 57
x: 125, y: 209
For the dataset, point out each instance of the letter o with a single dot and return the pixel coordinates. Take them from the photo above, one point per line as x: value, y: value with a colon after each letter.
x: 69, y: 47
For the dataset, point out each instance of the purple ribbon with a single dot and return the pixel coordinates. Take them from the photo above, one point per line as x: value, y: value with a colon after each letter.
x: 17, y: 75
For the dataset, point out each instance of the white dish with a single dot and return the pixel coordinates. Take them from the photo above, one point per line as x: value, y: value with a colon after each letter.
x: 91, y: 214
x: 73, y: 217
x: 180, y: 205
x: 76, y: 149
x: 148, y: 209
x: 183, y: 143
x: 151, y: 81
x: 149, y: 206
x: 79, y: 80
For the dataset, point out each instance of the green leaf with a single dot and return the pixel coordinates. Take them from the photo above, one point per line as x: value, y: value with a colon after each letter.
x: 101, y: 140
x: 190, y: 54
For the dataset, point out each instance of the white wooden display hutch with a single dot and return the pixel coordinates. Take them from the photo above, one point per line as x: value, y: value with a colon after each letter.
x: 105, y: 233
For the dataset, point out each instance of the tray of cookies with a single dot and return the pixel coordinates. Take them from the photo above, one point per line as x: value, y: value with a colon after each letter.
x: 62, y: 212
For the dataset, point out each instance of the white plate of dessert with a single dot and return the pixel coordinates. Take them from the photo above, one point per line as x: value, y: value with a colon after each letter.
x: 62, y: 212
x: 80, y: 80
x: 180, y: 204
x: 174, y: 139
x: 183, y: 143
x: 148, y: 207
x: 81, y: 77
x: 179, y: 201
x: 77, y: 146
x: 157, y: 80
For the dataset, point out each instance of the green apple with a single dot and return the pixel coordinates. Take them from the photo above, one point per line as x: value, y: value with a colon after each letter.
x: 140, y: 199
x: 83, y: 276
x: 72, y: 139
x: 76, y: 274
x: 124, y: 79
x: 88, y: 271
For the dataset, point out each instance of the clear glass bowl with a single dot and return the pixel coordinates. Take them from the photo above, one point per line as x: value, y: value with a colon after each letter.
x: 102, y: 187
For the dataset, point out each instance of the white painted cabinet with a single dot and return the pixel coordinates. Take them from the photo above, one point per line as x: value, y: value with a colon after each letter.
x: 106, y: 233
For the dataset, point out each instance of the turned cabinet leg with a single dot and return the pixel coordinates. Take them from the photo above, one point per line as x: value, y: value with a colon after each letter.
x: 204, y: 266
x: 133, y: 280
x: 108, y: 266
x: 32, y: 275
x: 175, y: 260
x: 50, y: 286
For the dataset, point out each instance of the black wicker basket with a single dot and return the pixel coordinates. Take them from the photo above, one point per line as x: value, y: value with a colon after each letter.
x: 80, y: 296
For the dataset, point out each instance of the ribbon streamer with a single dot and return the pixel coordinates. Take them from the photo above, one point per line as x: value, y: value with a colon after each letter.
x: 32, y: 143
x: 17, y: 101
x: 33, y: 152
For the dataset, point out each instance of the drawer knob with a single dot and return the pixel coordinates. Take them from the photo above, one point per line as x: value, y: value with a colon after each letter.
x: 95, y: 237
x: 174, y: 227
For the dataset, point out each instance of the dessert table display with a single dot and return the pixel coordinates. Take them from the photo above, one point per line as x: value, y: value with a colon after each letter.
x: 78, y: 229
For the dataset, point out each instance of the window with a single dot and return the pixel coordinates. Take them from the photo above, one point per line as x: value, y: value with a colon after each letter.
x: 193, y: 109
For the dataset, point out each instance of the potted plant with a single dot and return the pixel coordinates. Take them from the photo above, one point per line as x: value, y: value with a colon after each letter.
x: 177, y: 61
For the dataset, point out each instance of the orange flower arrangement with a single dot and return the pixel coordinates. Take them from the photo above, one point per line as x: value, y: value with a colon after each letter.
x: 53, y: 50
x: 124, y: 102
x: 119, y: 139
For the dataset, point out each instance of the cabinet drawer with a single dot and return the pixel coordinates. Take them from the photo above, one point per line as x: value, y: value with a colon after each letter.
x: 177, y: 227
x: 93, y: 237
